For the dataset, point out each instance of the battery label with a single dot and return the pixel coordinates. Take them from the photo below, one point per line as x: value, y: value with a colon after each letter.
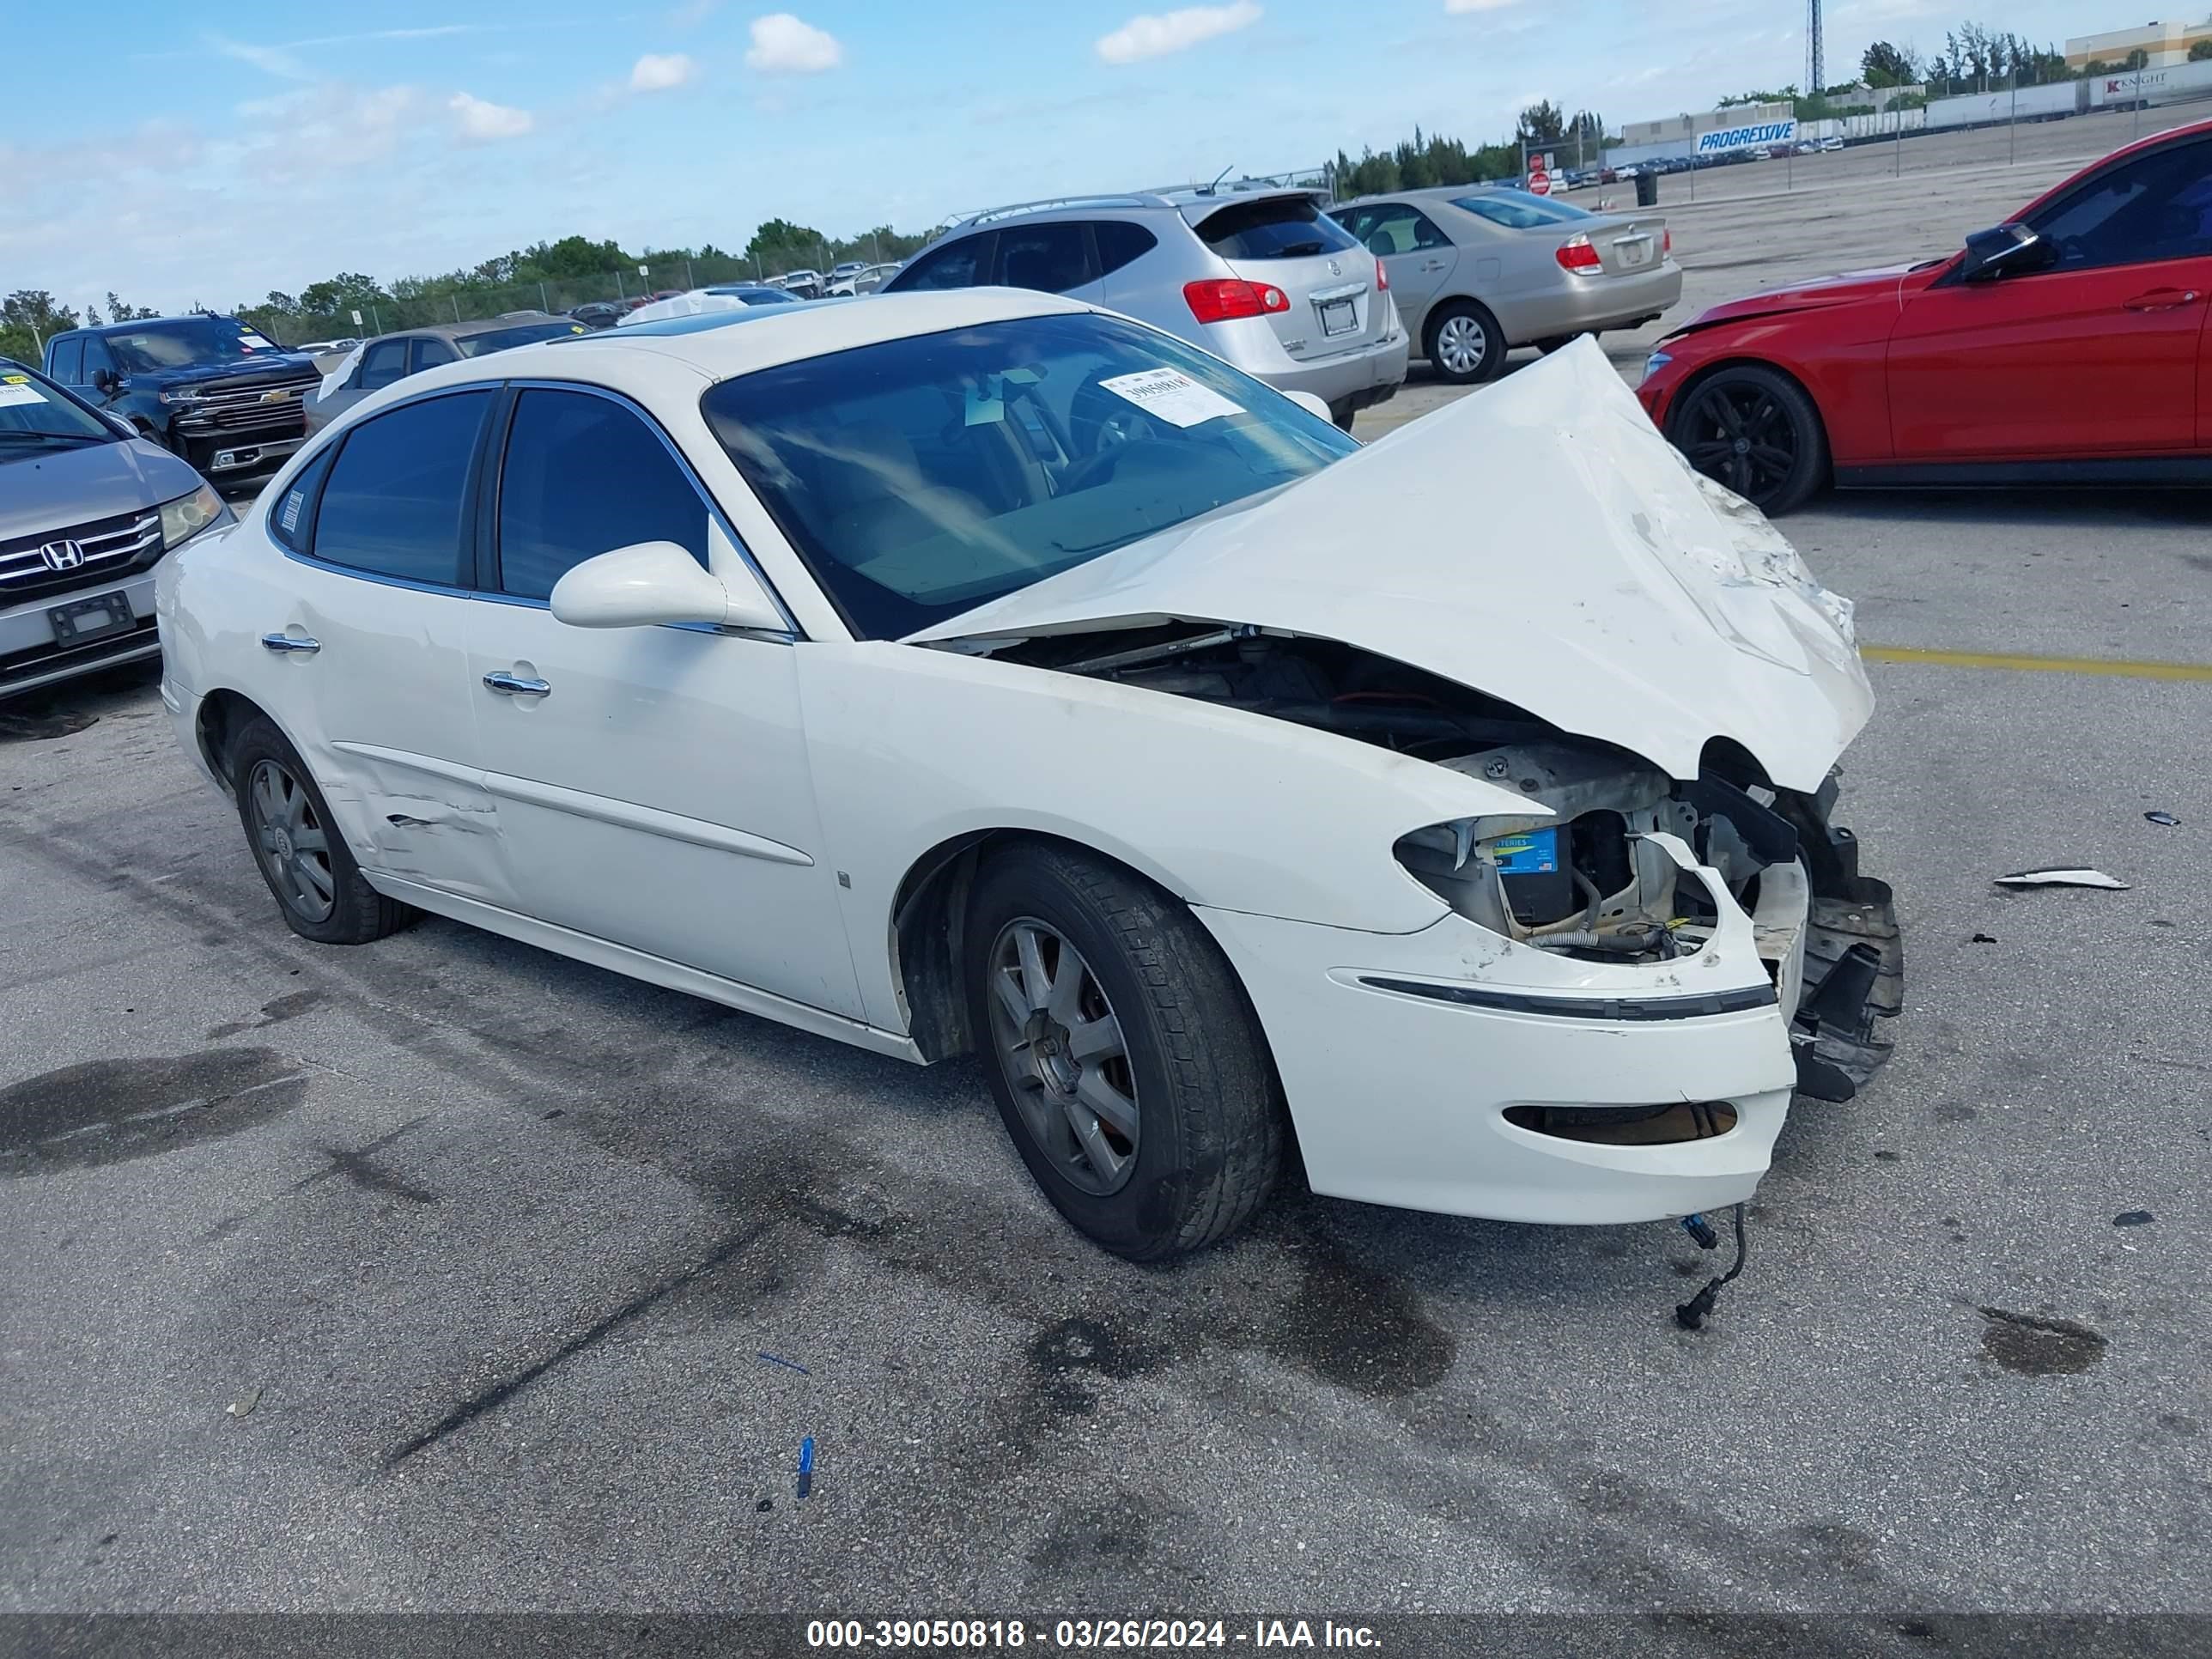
x: 1536, y: 853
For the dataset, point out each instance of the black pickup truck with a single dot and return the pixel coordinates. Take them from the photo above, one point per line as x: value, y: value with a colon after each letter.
x: 215, y: 390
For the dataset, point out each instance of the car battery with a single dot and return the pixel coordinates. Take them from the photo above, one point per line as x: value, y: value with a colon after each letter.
x: 1537, y: 876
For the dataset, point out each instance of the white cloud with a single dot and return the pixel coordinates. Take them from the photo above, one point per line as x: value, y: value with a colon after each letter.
x: 1156, y: 35
x: 484, y: 123
x: 658, y: 71
x: 1478, y: 5
x: 270, y: 60
x: 782, y: 45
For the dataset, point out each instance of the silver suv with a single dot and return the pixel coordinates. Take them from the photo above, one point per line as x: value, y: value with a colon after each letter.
x: 1262, y: 278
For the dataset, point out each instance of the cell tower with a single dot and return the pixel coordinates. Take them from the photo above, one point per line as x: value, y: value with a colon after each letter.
x: 1816, y: 71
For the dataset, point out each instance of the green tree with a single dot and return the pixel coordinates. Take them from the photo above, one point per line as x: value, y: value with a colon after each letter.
x: 1542, y: 124
x: 2200, y: 50
x: 1886, y: 64
x: 28, y: 318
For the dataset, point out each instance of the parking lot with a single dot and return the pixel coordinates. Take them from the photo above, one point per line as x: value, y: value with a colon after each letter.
x: 444, y: 1274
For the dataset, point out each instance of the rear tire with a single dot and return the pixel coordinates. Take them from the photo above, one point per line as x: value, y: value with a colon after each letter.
x: 1466, y: 346
x: 1561, y: 341
x: 1343, y: 414
x: 296, y: 845
x: 1753, y: 429
x: 1125, y: 1058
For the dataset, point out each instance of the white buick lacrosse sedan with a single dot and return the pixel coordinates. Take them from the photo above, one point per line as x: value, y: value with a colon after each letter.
x: 983, y: 671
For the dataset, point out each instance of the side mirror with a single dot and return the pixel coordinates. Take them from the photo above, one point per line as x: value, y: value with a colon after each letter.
x: 656, y: 582
x: 1312, y: 404
x: 103, y: 380
x: 2004, y: 251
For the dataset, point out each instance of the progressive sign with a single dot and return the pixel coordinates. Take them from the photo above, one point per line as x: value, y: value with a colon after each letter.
x: 1728, y: 138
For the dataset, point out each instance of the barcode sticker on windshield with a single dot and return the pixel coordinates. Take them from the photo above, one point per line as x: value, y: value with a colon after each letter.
x: 1171, y: 395
x: 20, y: 392
x: 254, y: 342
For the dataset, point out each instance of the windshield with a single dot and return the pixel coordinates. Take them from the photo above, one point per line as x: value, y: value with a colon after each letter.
x: 35, y: 414
x: 920, y: 478
x: 187, y: 343
x: 499, y: 339
x: 1516, y: 211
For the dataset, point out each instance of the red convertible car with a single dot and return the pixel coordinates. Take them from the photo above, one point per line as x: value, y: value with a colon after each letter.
x: 2065, y: 346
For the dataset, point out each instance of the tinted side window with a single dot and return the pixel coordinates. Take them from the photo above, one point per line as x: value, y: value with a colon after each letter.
x: 66, y: 363
x: 430, y: 351
x: 1050, y: 259
x: 2157, y: 207
x: 583, y: 477
x: 1278, y: 228
x: 1119, y: 242
x: 1391, y: 227
x: 393, y: 501
x: 292, y: 517
x: 957, y: 264
x: 383, y: 363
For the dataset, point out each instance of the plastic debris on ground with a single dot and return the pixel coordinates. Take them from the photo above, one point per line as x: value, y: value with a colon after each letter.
x: 2065, y: 875
x: 2132, y: 1219
x: 807, y: 1465
x: 2166, y: 818
x: 245, y: 1407
x: 788, y: 1365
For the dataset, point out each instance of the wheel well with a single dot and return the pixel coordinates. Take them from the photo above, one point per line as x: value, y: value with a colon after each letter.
x: 222, y: 716
x: 1683, y: 392
x: 928, y: 932
x: 1443, y: 308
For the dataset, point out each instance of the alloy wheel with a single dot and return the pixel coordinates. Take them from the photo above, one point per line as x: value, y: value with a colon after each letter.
x: 1065, y: 1058
x: 291, y: 841
x: 1461, y: 343
x: 1737, y: 432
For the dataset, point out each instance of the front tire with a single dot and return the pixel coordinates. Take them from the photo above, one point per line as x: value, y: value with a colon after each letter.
x: 1753, y: 429
x: 296, y: 845
x: 1466, y: 346
x: 1126, y: 1061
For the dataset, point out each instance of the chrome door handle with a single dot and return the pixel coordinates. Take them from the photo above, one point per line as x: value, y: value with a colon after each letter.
x: 514, y: 685
x: 283, y: 643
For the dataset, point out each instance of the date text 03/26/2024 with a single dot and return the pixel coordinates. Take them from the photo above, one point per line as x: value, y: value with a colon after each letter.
x: 1084, y: 1634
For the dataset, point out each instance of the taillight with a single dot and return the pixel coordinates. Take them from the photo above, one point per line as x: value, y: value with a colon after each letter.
x: 1226, y: 300
x: 1576, y: 253
x: 1666, y: 243
x: 1382, y: 278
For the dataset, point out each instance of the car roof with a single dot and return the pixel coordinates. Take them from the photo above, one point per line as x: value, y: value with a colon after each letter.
x: 642, y: 354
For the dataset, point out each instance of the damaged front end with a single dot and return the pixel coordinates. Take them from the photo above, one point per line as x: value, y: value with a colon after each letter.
x: 1612, y: 863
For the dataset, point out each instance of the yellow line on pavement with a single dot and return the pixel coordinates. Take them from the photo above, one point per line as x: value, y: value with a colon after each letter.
x: 2110, y: 667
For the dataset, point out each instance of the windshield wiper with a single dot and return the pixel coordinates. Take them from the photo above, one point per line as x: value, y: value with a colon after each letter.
x: 46, y: 437
x: 1299, y: 250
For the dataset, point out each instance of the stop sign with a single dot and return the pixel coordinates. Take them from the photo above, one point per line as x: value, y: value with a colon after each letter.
x: 1540, y: 182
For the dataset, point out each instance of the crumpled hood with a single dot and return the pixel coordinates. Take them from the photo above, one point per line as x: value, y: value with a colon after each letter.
x: 1539, y: 542
x: 1846, y: 289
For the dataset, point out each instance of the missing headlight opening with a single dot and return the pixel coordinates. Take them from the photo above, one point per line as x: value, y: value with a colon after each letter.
x: 1578, y: 875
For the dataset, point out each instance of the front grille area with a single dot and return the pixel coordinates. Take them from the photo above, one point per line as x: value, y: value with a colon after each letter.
x: 17, y: 667
x: 247, y: 409
x: 107, y: 547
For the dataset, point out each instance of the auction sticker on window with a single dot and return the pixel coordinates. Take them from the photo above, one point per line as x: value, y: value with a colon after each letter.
x: 16, y: 389
x: 1171, y: 395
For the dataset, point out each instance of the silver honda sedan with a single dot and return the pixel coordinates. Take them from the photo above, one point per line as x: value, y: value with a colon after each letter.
x: 1479, y: 270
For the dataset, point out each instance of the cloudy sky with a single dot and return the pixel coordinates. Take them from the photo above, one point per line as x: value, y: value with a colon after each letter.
x: 211, y: 154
